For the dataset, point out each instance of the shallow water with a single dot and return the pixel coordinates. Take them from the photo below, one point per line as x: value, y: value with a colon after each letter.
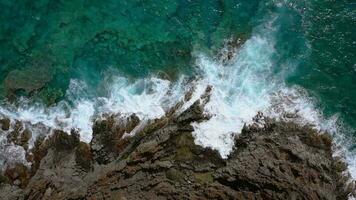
x: 68, y: 62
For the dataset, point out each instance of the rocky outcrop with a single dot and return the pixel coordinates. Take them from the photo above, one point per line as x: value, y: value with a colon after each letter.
x: 228, y: 53
x: 108, y: 134
x: 273, y: 160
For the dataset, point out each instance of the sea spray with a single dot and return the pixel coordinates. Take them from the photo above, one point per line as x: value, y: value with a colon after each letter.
x: 240, y: 90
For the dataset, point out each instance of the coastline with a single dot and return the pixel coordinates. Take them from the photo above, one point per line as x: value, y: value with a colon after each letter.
x: 270, y: 160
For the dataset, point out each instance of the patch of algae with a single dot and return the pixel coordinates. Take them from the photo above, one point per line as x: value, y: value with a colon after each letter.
x: 204, y: 178
x: 185, y: 145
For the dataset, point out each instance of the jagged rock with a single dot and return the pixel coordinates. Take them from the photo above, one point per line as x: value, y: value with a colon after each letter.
x: 83, y: 156
x: 270, y: 160
x: 62, y: 141
x: 193, y: 114
x: 108, y: 134
x: 281, y: 160
x: 39, y: 151
x: 230, y: 48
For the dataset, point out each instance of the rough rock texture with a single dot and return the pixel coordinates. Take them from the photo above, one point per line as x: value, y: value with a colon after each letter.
x: 276, y: 160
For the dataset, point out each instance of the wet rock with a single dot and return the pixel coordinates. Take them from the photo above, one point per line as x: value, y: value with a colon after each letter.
x: 195, y: 113
x: 63, y: 141
x: 5, y: 124
x: 18, y: 175
x: 39, y: 151
x: 15, y: 135
x: 83, y: 156
x: 276, y: 161
x: 270, y: 160
x: 228, y: 53
x: 108, y: 140
x: 24, y: 138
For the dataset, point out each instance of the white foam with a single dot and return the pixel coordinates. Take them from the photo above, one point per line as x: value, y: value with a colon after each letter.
x: 239, y: 92
x: 147, y: 98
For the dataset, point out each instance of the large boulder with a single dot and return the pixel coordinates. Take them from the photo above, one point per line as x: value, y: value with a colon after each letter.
x: 5, y: 124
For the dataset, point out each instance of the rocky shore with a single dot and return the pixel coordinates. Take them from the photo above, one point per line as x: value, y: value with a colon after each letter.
x: 270, y: 160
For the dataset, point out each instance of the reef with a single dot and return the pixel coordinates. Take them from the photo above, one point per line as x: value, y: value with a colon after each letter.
x: 271, y: 159
x: 49, y: 43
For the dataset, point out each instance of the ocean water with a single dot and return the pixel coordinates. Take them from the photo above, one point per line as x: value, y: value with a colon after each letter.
x: 64, y: 63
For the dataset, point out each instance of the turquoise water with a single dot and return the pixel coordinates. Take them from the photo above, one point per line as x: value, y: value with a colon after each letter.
x: 62, y: 52
x: 83, y: 38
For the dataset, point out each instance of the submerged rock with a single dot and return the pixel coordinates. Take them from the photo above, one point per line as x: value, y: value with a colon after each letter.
x: 34, y: 77
x: 276, y: 160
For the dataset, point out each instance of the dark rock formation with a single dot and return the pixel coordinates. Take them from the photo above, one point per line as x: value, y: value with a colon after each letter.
x: 227, y: 54
x: 279, y: 160
x: 5, y: 124
x: 108, y: 134
x: 84, y: 156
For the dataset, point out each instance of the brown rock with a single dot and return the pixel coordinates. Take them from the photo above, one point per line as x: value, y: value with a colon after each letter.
x: 39, y: 151
x: 18, y: 175
x: 83, y: 156
x: 285, y: 159
x: 5, y: 124
x: 24, y: 138
x: 63, y: 141
x: 279, y: 160
x: 3, y: 179
x: 108, y: 141
x: 14, y: 136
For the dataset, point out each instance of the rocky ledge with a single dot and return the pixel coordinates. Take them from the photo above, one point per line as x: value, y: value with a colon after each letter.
x: 271, y: 160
